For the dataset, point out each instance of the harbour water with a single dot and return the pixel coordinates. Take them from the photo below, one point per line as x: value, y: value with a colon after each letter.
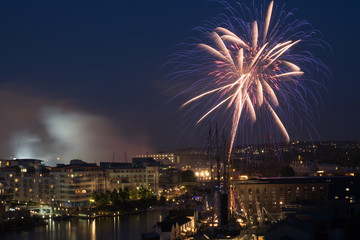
x: 127, y: 227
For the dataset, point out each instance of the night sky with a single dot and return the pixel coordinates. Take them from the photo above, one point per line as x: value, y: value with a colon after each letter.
x: 84, y: 79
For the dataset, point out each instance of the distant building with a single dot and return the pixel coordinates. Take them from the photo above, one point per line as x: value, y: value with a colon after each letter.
x: 303, y: 168
x: 169, y: 177
x: 163, y: 158
x: 144, y: 161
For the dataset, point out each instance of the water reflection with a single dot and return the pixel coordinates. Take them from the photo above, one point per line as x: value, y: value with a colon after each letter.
x: 122, y: 227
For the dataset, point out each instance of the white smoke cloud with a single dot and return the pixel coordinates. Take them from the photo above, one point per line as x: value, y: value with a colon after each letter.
x: 36, y: 127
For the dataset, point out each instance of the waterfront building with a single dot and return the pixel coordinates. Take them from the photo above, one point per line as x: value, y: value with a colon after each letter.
x: 141, y: 173
x: 26, y: 180
x: 75, y: 183
x: 72, y: 185
x: 132, y: 178
x: 338, y: 197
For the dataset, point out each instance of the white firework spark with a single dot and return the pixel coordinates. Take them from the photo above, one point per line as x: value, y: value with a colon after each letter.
x: 249, y: 72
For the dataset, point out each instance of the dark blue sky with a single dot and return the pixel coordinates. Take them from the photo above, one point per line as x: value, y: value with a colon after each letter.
x: 103, y: 60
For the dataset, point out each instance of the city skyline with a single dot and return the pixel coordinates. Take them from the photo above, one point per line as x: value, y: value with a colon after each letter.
x: 86, y: 80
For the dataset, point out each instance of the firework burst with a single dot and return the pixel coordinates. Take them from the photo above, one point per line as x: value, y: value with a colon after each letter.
x: 250, y: 67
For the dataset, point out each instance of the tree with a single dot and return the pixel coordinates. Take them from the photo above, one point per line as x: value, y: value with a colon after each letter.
x: 124, y: 194
x: 286, y: 171
x: 99, y: 198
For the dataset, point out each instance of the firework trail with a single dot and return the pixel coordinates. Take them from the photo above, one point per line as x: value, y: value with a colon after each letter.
x: 250, y: 67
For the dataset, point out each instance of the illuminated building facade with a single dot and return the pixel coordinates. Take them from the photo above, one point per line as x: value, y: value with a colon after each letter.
x: 76, y: 182
x: 132, y: 177
x: 163, y: 158
x: 6, y: 191
x: 72, y: 185
x: 26, y: 180
x: 338, y: 196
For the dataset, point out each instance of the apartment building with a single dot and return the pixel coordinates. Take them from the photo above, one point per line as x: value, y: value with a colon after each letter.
x: 131, y: 176
x: 74, y: 183
x: 26, y: 180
